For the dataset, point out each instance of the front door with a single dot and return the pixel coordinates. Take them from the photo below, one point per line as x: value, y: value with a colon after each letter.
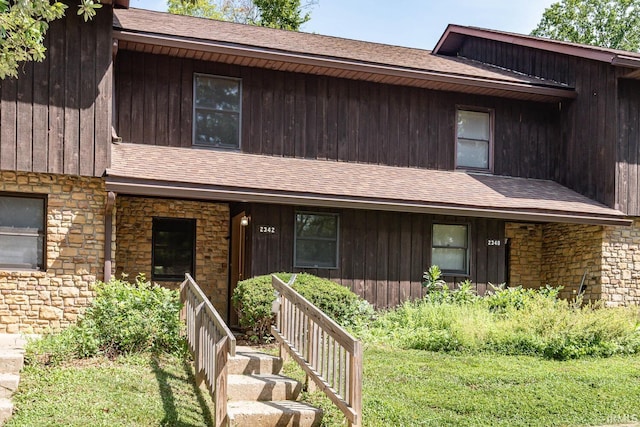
x: 237, y: 259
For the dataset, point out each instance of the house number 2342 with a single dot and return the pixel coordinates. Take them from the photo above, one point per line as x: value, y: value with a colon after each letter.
x: 267, y: 229
x: 493, y: 242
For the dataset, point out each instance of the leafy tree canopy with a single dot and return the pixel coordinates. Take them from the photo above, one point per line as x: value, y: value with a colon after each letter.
x: 283, y: 14
x: 23, y: 26
x: 607, y: 23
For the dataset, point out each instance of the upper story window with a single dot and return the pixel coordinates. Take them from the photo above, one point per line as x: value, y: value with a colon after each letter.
x: 174, y: 243
x: 316, y: 240
x: 450, y: 248
x: 22, y: 232
x: 474, y: 140
x: 216, y: 111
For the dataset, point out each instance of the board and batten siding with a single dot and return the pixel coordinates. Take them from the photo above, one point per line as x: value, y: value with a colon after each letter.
x: 587, y: 148
x: 56, y: 116
x: 319, y: 117
x: 628, y: 170
x: 382, y: 255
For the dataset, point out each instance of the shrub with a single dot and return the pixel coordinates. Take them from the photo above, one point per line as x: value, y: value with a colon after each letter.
x: 123, y: 318
x: 253, y: 299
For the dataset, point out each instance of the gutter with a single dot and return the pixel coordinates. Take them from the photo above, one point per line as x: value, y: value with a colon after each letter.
x: 341, y: 64
x: 108, y: 233
x: 184, y: 191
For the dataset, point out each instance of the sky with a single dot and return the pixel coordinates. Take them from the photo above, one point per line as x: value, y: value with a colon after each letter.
x: 411, y: 23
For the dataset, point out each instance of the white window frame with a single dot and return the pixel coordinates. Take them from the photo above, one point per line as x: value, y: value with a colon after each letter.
x: 40, y: 234
x: 194, y: 140
x: 336, y: 240
x: 490, y: 142
x: 465, y: 271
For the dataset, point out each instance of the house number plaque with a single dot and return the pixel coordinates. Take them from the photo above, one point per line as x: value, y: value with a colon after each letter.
x: 266, y: 229
x: 491, y: 242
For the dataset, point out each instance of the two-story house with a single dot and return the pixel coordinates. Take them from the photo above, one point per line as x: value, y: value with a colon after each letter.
x: 161, y: 144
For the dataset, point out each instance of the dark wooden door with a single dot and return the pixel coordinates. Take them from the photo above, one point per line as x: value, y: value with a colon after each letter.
x: 237, y: 260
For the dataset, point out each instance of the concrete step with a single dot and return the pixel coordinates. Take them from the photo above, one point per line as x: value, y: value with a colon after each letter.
x: 249, y: 361
x: 6, y: 410
x: 273, y: 414
x: 8, y: 384
x: 262, y: 387
x: 11, y: 361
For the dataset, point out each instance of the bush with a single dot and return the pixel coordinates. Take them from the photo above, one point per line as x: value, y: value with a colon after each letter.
x: 253, y: 299
x: 512, y: 321
x: 123, y: 318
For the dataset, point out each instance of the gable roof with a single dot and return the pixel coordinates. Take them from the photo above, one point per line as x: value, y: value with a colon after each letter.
x: 453, y: 38
x: 231, y: 176
x: 211, y: 40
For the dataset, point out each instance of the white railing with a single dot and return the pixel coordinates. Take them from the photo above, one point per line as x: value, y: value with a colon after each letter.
x: 210, y: 342
x: 329, y: 355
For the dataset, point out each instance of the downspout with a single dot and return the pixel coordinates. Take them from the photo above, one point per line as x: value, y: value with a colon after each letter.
x: 108, y: 233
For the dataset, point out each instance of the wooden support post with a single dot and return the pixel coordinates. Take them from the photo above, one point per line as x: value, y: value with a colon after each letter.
x: 222, y: 351
x: 355, y: 390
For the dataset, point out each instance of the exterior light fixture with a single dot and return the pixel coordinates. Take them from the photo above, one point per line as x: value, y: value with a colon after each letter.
x: 244, y: 221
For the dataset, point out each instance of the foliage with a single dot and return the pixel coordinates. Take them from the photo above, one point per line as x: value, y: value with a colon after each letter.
x: 124, y: 318
x: 23, y: 26
x: 438, y: 291
x: 511, y: 321
x: 607, y: 23
x: 253, y: 299
x: 282, y: 14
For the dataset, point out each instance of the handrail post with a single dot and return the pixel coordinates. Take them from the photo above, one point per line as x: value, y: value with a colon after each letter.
x: 355, y: 388
x: 221, y: 352
x: 197, y: 357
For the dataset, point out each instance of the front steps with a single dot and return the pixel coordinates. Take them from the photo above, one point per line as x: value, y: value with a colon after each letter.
x: 11, y: 362
x: 260, y: 397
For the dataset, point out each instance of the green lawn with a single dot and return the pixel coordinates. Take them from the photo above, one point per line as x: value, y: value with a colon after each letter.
x: 401, y: 388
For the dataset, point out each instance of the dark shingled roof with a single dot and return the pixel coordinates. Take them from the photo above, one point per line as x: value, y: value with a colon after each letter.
x: 224, y: 175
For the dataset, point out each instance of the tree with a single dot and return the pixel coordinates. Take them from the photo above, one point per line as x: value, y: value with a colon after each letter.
x: 607, y: 23
x: 23, y: 26
x: 283, y: 14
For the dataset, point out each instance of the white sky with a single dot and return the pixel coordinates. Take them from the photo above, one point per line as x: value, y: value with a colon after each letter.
x: 412, y: 23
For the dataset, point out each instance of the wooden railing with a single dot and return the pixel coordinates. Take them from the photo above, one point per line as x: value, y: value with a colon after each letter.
x: 329, y: 355
x: 211, y: 342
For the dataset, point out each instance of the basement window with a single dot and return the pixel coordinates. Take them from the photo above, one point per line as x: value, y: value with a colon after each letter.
x: 450, y: 248
x: 216, y: 111
x: 173, y: 248
x: 22, y: 231
x: 316, y: 240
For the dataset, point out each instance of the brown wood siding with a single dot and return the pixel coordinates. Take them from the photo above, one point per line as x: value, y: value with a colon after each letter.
x: 382, y: 255
x: 56, y: 116
x: 587, y: 149
x: 629, y: 147
x: 319, y: 117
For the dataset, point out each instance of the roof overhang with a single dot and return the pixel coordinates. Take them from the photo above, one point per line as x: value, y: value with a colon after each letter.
x: 203, y: 174
x: 150, y: 188
x: 336, y: 67
x: 452, y: 39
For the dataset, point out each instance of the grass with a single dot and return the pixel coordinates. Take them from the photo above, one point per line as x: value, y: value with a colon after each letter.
x: 130, y: 391
x: 401, y: 388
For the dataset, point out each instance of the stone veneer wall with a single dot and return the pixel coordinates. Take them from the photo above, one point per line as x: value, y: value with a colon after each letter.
x: 621, y: 265
x: 570, y: 251
x: 134, y: 217
x: 525, y: 256
x: 36, y: 301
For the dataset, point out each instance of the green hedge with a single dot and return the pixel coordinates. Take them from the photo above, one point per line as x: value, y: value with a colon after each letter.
x: 253, y: 299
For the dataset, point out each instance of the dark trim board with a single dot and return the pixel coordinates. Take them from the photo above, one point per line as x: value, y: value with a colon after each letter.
x: 382, y: 255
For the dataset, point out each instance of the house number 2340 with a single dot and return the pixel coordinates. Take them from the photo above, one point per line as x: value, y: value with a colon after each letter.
x: 493, y: 242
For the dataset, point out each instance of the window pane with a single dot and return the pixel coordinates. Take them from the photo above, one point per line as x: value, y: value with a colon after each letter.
x: 173, y: 246
x: 450, y: 235
x: 21, y: 251
x: 217, y: 129
x: 473, y: 154
x: 218, y: 93
x: 473, y: 125
x: 316, y: 253
x: 450, y: 259
x: 313, y: 225
x: 21, y: 212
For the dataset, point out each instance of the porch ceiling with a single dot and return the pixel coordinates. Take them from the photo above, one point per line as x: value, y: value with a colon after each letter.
x: 230, y: 176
